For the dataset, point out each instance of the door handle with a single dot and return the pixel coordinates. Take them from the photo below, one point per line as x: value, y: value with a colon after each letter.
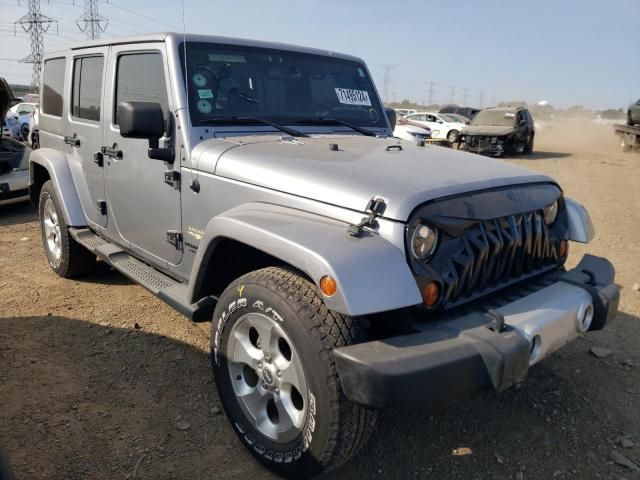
x: 113, y: 152
x: 74, y: 141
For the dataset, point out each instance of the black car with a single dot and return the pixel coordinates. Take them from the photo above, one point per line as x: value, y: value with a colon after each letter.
x: 500, y: 131
x: 468, y: 112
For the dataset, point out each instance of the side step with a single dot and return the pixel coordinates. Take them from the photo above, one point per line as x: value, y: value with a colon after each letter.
x: 161, y: 285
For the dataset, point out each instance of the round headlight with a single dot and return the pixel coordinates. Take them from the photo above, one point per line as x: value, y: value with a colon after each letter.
x: 550, y: 213
x: 423, y: 241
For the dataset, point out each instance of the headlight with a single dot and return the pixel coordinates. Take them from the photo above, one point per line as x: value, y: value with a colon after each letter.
x: 423, y: 241
x: 550, y: 213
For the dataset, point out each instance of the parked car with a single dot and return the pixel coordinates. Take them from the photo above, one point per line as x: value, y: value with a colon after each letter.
x: 14, y: 158
x: 459, y: 118
x: 413, y: 133
x: 500, y: 131
x: 403, y: 112
x: 259, y: 187
x: 441, y: 127
x: 21, y: 121
x: 633, y: 113
x: 468, y: 112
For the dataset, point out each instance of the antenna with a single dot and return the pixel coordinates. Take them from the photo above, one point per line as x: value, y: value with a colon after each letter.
x: 91, y: 22
x: 35, y: 24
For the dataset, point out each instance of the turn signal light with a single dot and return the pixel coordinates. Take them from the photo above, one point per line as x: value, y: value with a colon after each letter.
x: 563, y: 248
x: 328, y: 285
x: 430, y: 294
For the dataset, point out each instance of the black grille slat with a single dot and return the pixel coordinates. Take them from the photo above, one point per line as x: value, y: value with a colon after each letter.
x: 495, y: 253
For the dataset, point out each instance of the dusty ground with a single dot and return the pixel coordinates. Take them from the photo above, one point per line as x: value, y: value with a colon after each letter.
x: 95, y: 374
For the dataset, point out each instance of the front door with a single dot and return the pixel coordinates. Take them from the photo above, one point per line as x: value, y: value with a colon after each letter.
x: 145, y: 209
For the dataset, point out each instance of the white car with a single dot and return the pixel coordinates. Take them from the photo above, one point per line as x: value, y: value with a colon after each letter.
x: 20, y: 122
x: 441, y: 126
x: 413, y: 133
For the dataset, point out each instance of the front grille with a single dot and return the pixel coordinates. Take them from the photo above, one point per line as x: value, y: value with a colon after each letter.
x: 490, y: 255
x: 478, y: 141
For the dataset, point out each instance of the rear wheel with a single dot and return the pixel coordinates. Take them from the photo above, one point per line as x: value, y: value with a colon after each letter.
x: 66, y: 257
x: 271, y: 343
x: 528, y: 148
x: 629, y: 119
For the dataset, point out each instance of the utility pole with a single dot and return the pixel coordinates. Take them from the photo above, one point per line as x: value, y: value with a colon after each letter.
x: 36, y: 25
x: 465, y: 96
x: 430, y: 92
x: 452, y: 94
x: 91, y: 23
x: 386, y: 81
x: 481, y: 98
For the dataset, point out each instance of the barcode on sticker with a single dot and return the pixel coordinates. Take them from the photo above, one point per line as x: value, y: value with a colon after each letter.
x: 353, y: 97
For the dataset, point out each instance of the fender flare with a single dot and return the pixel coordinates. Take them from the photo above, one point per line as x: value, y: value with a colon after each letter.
x: 371, y: 273
x: 580, y: 227
x: 57, y: 166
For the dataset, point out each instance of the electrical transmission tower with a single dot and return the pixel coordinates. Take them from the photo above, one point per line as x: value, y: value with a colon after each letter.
x: 465, y: 96
x: 91, y: 23
x: 452, y: 94
x: 430, y: 92
x: 386, y: 81
x: 481, y: 98
x: 36, y: 25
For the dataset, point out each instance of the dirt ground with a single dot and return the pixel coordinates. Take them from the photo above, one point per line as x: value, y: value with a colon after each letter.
x: 96, y: 375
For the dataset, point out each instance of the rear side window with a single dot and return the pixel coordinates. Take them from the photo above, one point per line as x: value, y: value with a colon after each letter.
x: 52, y: 86
x: 140, y: 78
x: 87, y: 88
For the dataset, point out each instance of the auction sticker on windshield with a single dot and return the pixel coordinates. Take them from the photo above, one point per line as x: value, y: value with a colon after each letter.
x: 353, y: 97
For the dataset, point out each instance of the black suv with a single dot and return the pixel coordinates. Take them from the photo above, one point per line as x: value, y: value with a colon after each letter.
x: 500, y: 131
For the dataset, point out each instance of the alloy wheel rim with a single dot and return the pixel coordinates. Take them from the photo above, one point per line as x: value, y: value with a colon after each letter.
x: 52, y: 230
x: 267, y: 377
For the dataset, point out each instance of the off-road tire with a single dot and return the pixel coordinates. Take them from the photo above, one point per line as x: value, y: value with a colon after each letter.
x: 528, y: 149
x: 75, y: 260
x: 338, y: 428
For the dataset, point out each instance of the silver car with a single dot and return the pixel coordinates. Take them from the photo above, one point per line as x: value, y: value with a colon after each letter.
x: 258, y: 186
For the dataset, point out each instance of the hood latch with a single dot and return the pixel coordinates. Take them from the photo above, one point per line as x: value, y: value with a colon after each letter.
x: 375, y: 208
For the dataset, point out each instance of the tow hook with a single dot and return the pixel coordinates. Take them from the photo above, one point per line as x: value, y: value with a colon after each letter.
x: 375, y: 208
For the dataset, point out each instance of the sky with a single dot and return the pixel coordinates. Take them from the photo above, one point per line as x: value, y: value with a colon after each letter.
x: 570, y: 52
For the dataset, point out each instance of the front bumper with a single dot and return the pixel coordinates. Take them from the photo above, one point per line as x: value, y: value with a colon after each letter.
x: 480, y: 351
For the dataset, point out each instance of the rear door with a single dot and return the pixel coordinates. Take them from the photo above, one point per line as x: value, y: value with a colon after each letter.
x: 84, y: 133
x: 144, y: 208
x: 53, y: 107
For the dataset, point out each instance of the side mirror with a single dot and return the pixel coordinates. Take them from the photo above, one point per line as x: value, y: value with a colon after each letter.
x: 440, y: 121
x: 145, y: 120
x: 391, y: 116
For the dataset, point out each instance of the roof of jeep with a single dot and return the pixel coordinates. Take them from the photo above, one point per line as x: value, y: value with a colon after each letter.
x: 505, y: 109
x: 177, y: 37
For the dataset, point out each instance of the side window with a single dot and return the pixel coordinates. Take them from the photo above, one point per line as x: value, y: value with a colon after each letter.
x: 52, y: 86
x: 87, y: 87
x: 140, y: 78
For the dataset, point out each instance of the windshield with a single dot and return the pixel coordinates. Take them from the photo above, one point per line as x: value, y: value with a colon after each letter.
x: 494, y: 117
x: 449, y: 118
x: 227, y: 81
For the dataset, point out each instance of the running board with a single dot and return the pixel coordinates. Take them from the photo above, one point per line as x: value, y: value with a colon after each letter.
x: 164, y: 287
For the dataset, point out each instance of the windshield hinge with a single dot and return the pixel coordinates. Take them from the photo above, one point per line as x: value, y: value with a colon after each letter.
x: 172, y: 177
x: 375, y: 208
x: 175, y: 238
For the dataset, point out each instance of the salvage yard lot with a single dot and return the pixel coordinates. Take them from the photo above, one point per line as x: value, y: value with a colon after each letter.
x: 100, y: 380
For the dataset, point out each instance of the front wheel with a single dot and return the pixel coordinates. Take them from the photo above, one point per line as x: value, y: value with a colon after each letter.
x: 528, y: 148
x: 629, y: 119
x: 452, y: 136
x: 66, y: 257
x: 271, y: 352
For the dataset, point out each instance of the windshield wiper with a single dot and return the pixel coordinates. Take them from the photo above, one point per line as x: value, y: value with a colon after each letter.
x: 335, y: 121
x: 233, y: 120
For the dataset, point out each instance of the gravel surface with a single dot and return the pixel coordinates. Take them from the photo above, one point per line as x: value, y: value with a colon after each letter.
x: 100, y: 380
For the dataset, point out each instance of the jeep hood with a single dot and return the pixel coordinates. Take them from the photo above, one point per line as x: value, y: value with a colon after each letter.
x: 362, y: 168
x: 489, y: 130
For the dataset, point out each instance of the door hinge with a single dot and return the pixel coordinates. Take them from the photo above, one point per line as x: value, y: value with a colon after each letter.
x: 172, y: 177
x: 102, y: 207
x: 175, y: 238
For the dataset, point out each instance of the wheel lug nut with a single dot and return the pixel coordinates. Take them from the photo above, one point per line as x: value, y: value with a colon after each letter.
x: 279, y: 373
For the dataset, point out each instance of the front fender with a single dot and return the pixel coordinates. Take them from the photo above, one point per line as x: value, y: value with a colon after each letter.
x: 57, y: 166
x: 372, y: 275
x: 580, y: 226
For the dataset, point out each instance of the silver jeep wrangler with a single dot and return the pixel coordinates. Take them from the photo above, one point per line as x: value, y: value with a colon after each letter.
x: 257, y: 186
